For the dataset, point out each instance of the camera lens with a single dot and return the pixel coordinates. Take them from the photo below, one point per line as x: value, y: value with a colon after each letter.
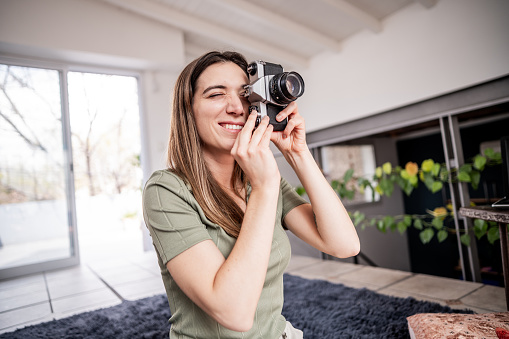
x: 286, y: 87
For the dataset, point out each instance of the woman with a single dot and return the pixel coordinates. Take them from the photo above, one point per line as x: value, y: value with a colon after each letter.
x: 217, y: 214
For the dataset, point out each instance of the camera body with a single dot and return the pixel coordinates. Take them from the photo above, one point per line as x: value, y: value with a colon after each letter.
x: 271, y: 90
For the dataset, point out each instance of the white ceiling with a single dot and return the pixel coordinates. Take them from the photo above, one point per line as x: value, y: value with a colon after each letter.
x: 283, y: 31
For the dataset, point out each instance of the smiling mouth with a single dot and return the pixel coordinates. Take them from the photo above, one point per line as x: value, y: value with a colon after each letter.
x: 232, y: 127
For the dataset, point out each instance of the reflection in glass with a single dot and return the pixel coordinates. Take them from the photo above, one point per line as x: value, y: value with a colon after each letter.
x: 337, y: 159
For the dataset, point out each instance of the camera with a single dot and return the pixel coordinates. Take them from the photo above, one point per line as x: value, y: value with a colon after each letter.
x: 271, y: 90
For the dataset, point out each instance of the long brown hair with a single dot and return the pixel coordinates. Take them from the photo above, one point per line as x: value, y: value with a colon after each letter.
x: 185, y: 157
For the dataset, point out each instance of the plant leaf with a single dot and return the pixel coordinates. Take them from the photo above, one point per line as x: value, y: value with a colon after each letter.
x: 427, y: 165
x: 464, y: 176
x: 426, y: 235
x: 436, y: 169
x: 418, y: 224
x: 436, y: 186
x: 414, y: 180
x: 444, y: 175
x: 479, y: 162
x: 387, y: 168
x: 442, y: 235
x: 438, y: 223
x: 493, y: 234
x: 480, y: 228
x: 476, y: 178
x: 466, y: 168
x: 387, y: 186
x: 348, y: 175
x: 358, y: 218
x: 404, y: 174
x: 465, y: 239
x: 401, y: 227
x: 349, y: 194
x: 407, y: 219
x: 428, y: 180
x: 389, y: 222
x: 489, y: 152
x: 300, y: 190
x: 405, y: 185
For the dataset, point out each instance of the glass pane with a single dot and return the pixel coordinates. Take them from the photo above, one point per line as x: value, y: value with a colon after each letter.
x: 34, y: 222
x: 105, y: 126
x: 338, y: 159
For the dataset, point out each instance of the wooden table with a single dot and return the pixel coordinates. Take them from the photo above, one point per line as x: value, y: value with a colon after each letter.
x: 501, y: 216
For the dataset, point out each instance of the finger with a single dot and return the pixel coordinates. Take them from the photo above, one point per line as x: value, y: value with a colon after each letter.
x: 276, y: 136
x: 292, y: 108
x: 245, y: 134
x: 267, y: 136
x: 250, y: 123
x: 259, y: 132
x: 292, y: 124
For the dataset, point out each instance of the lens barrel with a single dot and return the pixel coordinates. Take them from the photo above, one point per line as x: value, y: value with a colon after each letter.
x: 286, y: 87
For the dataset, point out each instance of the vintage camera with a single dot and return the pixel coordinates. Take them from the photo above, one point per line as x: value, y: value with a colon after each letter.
x: 271, y: 90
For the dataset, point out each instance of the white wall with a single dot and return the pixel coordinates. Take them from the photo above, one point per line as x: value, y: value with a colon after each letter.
x: 156, y: 96
x: 421, y: 53
x: 88, y: 31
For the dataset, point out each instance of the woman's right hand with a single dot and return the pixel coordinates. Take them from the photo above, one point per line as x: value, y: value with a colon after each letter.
x: 252, y: 152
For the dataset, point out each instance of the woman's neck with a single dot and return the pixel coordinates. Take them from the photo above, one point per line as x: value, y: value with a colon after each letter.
x: 221, y: 168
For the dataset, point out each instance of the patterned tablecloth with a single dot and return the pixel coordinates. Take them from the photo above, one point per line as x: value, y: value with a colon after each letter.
x: 444, y: 325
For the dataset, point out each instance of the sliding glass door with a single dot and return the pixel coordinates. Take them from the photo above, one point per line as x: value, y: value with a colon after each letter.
x: 37, y: 213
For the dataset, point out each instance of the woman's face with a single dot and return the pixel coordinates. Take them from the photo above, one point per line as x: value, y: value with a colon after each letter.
x: 219, y: 107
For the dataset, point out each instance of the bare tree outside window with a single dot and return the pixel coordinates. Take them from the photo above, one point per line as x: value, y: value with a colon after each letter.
x: 105, y: 132
x: 30, y: 119
x: 104, y: 115
x: 34, y: 222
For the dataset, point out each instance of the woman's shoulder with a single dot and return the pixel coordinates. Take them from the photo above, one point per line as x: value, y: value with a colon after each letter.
x: 284, y: 183
x: 167, y: 179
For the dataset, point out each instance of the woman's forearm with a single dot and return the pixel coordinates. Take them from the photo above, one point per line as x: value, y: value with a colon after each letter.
x: 335, y: 228
x: 241, y: 277
x: 229, y: 289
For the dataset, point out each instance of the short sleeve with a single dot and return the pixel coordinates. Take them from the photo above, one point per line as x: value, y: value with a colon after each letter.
x: 172, y: 215
x: 290, y: 197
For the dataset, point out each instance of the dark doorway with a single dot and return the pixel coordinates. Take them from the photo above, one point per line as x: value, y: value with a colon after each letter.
x: 442, y: 259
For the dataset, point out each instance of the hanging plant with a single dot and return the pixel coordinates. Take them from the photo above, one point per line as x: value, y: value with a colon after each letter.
x: 433, y: 175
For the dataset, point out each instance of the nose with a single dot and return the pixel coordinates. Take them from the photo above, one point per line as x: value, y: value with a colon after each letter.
x: 236, y: 105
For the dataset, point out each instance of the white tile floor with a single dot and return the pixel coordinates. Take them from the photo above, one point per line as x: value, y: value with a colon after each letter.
x: 57, y: 294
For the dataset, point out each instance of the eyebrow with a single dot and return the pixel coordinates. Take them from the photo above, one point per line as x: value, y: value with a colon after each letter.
x: 210, y: 88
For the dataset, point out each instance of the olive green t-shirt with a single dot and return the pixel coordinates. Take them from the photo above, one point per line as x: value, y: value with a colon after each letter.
x: 176, y: 222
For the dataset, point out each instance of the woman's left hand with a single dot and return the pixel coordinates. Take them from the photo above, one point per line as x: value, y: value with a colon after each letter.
x: 293, y: 138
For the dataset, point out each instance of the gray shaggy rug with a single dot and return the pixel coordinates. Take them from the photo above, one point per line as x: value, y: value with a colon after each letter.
x: 321, y: 309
